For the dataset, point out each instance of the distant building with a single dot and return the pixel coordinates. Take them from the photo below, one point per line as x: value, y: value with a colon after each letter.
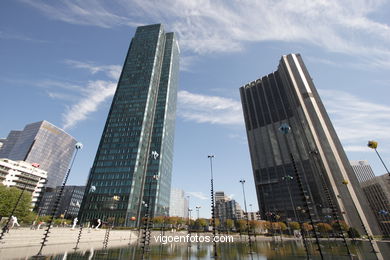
x: 363, y: 170
x: 43, y: 143
x: 377, y: 191
x: 290, y: 135
x: 254, y: 215
x: 23, y: 175
x: 220, y: 196
x: 69, y: 205
x: 178, y: 206
x: 226, y: 208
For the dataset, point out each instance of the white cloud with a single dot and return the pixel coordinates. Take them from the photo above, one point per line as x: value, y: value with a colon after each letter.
x: 86, y: 12
x: 230, y: 196
x: 17, y: 36
x: 95, y: 93
x: 207, y: 26
x: 198, y: 194
x: 209, y: 109
x: 84, y: 98
x: 356, y: 148
x: 356, y: 120
x: 112, y: 71
x: 62, y: 96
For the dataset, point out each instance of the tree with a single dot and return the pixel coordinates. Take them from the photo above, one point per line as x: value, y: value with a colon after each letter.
x: 217, y: 222
x: 294, y: 225
x: 201, y: 223
x: 307, y: 227
x: 282, y: 226
x: 324, y: 228
x: 336, y: 225
x: 265, y: 224
x: 158, y: 220
x: 255, y: 225
x: 29, y: 218
x: 229, y: 224
x: 176, y: 222
x: 241, y: 225
x: 353, y: 233
x: 8, y: 199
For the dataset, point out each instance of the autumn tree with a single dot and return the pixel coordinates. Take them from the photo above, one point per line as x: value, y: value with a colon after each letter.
x: 241, y: 225
x: 324, y: 228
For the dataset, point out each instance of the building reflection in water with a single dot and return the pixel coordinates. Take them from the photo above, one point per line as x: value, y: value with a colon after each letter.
x: 238, y: 250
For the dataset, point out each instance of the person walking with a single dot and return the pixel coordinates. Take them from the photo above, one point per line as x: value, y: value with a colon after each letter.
x: 14, y: 221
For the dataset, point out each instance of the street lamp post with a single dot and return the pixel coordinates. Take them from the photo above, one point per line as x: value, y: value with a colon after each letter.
x: 188, y: 214
x: 198, y: 226
x: 213, y: 205
x: 197, y: 212
x: 78, y: 147
x: 189, y: 221
x: 148, y: 213
x: 247, y: 217
x: 374, y: 145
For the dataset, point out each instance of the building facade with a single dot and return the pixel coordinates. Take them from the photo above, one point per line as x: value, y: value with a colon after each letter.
x: 254, y: 215
x: 295, y: 152
x: 362, y: 170
x: 137, y: 140
x: 69, y: 205
x: 178, y: 205
x: 377, y: 191
x: 226, y: 208
x: 42, y: 143
x: 23, y: 175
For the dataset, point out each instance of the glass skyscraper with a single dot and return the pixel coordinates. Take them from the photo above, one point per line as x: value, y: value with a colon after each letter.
x: 43, y: 143
x: 137, y: 140
x: 289, y: 97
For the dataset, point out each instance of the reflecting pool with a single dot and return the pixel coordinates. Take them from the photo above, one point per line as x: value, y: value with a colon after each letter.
x: 289, y: 249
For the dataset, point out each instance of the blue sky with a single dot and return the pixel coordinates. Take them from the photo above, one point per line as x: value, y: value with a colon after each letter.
x: 60, y: 61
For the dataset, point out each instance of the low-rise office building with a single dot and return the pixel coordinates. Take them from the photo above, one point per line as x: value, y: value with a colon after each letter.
x: 23, y: 175
x: 69, y: 205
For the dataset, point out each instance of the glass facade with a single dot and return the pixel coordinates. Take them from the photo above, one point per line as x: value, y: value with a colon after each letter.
x: 288, y: 96
x: 178, y: 204
x: 42, y: 143
x: 69, y: 204
x: 137, y: 141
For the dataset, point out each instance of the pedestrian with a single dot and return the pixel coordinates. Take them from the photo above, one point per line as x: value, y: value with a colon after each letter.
x: 33, y: 225
x: 99, y: 223
x: 75, y: 220
x: 14, y: 221
x: 39, y: 224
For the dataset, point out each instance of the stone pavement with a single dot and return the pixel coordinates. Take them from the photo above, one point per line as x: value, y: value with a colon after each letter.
x: 23, y: 242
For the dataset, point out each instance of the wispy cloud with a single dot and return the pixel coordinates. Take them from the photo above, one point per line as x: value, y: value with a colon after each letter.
x: 209, y: 109
x: 356, y: 120
x: 87, y: 12
x: 347, y: 26
x: 83, y: 98
x: 93, y: 95
x: 17, y: 36
x: 198, y: 194
x: 112, y: 71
